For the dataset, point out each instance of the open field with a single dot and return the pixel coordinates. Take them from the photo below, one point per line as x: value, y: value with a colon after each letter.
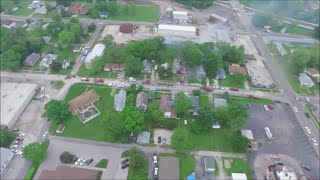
x: 23, y: 7
x: 230, y: 81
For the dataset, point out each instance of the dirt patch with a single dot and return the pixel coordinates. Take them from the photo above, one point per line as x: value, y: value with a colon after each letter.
x: 163, y: 133
x: 227, y: 163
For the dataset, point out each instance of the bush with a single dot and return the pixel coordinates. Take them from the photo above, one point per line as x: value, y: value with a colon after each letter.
x: 67, y: 157
x: 196, y: 92
x: 6, y: 138
x: 167, y: 124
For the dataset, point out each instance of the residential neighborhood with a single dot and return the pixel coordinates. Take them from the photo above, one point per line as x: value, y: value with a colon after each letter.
x: 163, y: 89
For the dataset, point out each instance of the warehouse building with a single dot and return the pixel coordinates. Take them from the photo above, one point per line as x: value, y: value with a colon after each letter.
x: 177, y: 30
x: 15, y: 97
x: 180, y: 17
x: 96, y: 52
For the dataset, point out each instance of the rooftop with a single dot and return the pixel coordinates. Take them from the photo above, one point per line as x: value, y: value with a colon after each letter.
x: 95, y: 52
x: 169, y: 168
x: 305, y: 80
x: 239, y: 176
x: 67, y: 172
x: 281, y: 49
x: 247, y: 133
x: 235, y: 68
x: 209, y: 163
x: 185, y: 13
x: 313, y: 71
x: 218, y: 102
x: 6, y: 156
x: 143, y: 137
x: 120, y: 100
x: 83, y: 100
x: 195, y: 104
x: 176, y: 27
x: 31, y: 59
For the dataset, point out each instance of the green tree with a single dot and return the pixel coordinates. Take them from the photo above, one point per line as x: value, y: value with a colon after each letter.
x: 11, y: 60
x: 108, y: 41
x: 76, y: 29
x: 196, y: 92
x: 74, y: 20
x: 54, y: 28
x: 316, y: 33
x: 241, y: 143
x: 164, y: 72
x: 66, y: 38
x: 154, y: 112
x: 300, y: 57
x: 94, y: 13
x: 133, y: 119
x: 131, y: 100
x: 225, y: 95
x: 64, y: 2
x: 228, y: 53
x: 92, y: 27
x: 56, y: 17
x: 97, y: 66
x: 261, y: 20
x: 179, y: 140
x: 133, y: 66
x: 192, y: 54
x: 211, y: 64
x: 238, y: 78
x: 182, y: 103
x: 67, y: 157
x: 56, y: 66
x: 115, y: 125
x: 36, y: 152
x: 205, y: 118
x: 137, y: 158
x: 57, y: 111
x: 6, y: 138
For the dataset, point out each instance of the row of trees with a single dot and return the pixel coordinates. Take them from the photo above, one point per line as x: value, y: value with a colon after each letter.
x: 302, y: 58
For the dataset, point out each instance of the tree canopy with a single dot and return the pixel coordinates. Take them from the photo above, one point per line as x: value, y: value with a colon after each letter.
x: 133, y: 66
x: 182, y: 103
x: 36, y: 152
x: 179, y: 140
x: 57, y: 111
x: 6, y: 138
x: 196, y: 3
x: 299, y: 59
x: 67, y: 157
x: 154, y: 112
x: 133, y: 119
x: 115, y: 125
x: 192, y: 53
x: 205, y: 118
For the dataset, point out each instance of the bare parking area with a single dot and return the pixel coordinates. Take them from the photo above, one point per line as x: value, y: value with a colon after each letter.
x: 289, y: 138
x: 163, y: 133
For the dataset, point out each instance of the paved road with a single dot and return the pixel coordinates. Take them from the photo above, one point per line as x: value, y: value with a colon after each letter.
x: 276, y: 71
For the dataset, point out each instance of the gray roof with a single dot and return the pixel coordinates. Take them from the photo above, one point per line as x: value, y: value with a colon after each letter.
x: 201, y: 74
x: 20, y: 24
x: 305, y: 80
x: 34, y: 25
x: 46, y: 38
x: 169, y: 168
x: 195, y: 104
x: 143, y: 137
x: 221, y: 72
x: 120, y: 100
x: 280, y: 49
x: 218, y: 102
x: 6, y: 156
x: 31, y: 59
x: 209, y: 163
x: 290, y: 40
x: 142, y: 99
x: 48, y: 59
x: 146, y: 66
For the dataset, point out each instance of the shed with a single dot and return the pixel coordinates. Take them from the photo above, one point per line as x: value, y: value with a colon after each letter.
x: 209, y: 164
x: 146, y: 67
x: 31, y: 59
x: 169, y: 168
x: 6, y: 156
x: 126, y: 28
x: 143, y: 137
x: 68, y: 172
x: 281, y: 49
x: 60, y: 129
x: 221, y: 74
x: 239, y: 176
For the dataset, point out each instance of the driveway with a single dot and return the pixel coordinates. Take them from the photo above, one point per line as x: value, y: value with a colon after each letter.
x: 83, y: 148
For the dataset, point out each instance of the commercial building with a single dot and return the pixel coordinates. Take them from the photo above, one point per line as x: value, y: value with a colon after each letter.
x: 177, y: 30
x: 68, y: 172
x: 180, y: 17
x: 169, y: 168
x: 15, y: 97
x: 95, y: 52
x: 289, y: 40
x: 6, y: 156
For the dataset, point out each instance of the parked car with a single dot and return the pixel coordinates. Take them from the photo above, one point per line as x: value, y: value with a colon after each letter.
x: 252, y: 96
x: 248, y: 105
x: 98, y: 80
x: 89, y: 161
x: 307, y: 99
x: 125, y: 166
x: 308, y: 130
x: 307, y: 115
x: 270, y: 107
x: 276, y: 101
x: 19, y: 139
x: 45, y: 134
x: 75, y: 160
x: 234, y: 89
x: 295, y: 109
x: 159, y: 140
x: 155, y: 159
x: 306, y: 167
x: 15, y: 130
x: 207, y: 88
x: 266, y: 108
x: 85, y: 79
x: 156, y: 172
x: 314, y: 141
x: 124, y: 161
x: 281, y: 163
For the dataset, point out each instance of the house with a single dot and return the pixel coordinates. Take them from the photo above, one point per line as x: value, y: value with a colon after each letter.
x: 41, y: 10
x: 61, y: 7
x: 236, y: 68
x: 221, y: 74
x: 167, y: 105
x: 65, y: 64
x: 313, y: 72
x: 60, y: 128
x: 47, y: 60
x: 239, y: 176
x: 143, y: 137
x: 305, y: 80
x: 20, y: 24
x: 69, y: 172
x: 195, y: 105
x: 219, y: 102
x: 34, y: 25
x: 95, y: 52
x: 169, y: 168
x: 104, y: 14
x: 6, y: 156
x: 180, y: 17
x: 114, y: 67
x: 209, y: 164
x: 78, y: 9
x: 7, y: 23
x: 200, y: 72
x: 167, y: 29
x: 77, y: 48
x: 83, y: 100
x: 46, y: 39
x: 146, y: 67
x: 176, y: 67
x: 120, y: 100
x: 281, y: 49
x: 31, y: 59
x: 142, y: 101
x: 44, y: 27
x: 34, y: 5
x: 247, y: 133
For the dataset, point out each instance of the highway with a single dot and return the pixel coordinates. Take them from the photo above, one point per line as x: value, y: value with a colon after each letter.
x: 277, y: 73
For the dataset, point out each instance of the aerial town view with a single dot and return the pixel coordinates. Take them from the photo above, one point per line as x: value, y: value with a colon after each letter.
x: 160, y: 89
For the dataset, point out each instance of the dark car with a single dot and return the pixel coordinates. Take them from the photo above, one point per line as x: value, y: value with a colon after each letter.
x: 307, y: 115
x: 276, y: 101
x: 306, y: 167
x: 159, y: 140
x: 248, y: 105
x: 125, y: 166
x: 124, y: 161
x: 89, y: 162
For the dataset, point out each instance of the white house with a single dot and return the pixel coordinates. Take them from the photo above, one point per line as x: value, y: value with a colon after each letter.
x: 41, y: 10
x: 34, y: 5
x: 180, y: 16
x: 47, y: 60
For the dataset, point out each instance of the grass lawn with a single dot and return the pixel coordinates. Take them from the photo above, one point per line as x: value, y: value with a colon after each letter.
x: 23, y: 7
x: 238, y: 165
x: 84, y: 72
x: 230, y: 81
x: 295, y: 29
x: 250, y: 100
x: 273, y: 48
x: 216, y: 171
x: 314, y: 118
x: 141, y: 173
x: 186, y: 163
x: 140, y: 13
x: 58, y: 84
x: 204, y: 101
x: 103, y: 163
x: 294, y: 83
x: 92, y: 130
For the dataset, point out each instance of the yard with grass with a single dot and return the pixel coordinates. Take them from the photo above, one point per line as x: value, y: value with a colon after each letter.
x: 204, y: 101
x: 58, y: 84
x: 23, y: 9
x: 237, y: 165
x: 103, y: 163
x: 294, y: 83
x: 140, y: 173
x: 93, y: 130
x: 84, y: 72
x: 314, y: 118
x: 295, y: 29
x: 231, y: 81
x: 186, y: 163
x: 251, y: 100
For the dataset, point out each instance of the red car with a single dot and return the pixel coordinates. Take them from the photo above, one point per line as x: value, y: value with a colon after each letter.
x: 85, y: 79
x: 234, y: 89
x: 252, y: 96
x: 19, y: 139
x: 100, y: 80
x: 207, y: 88
x: 270, y: 106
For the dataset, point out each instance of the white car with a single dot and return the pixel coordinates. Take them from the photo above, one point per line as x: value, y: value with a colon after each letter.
x: 295, y: 109
x: 266, y: 107
x: 22, y: 135
x: 222, y: 88
x: 155, y: 159
x: 308, y: 130
x: 314, y: 141
x: 156, y: 172
x: 307, y: 99
x: 156, y: 67
x: 297, y: 98
x: 44, y: 135
x: 20, y: 152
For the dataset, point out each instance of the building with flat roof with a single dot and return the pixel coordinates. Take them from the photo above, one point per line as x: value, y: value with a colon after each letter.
x: 68, y: 172
x: 239, y: 176
x: 209, y: 164
x: 15, y: 97
x: 180, y: 16
x: 305, y: 80
x: 177, y: 30
x: 6, y: 156
x: 95, y: 52
x: 169, y: 168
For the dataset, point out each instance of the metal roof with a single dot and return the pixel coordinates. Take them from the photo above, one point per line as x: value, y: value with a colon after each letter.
x: 95, y: 52
x: 280, y: 49
x: 120, y: 100
x: 209, y: 163
x: 176, y: 28
x: 239, y: 176
x: 305, y: 80
x: 180, y: 13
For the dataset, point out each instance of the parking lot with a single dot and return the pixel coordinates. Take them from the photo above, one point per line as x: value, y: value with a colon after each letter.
x: 289, y: 137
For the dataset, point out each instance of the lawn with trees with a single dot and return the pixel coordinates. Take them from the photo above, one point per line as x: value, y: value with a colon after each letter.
x: 238, y: 165
x: 103, y: 163
x: 7, y: 137
x: 138, y: 164
x: 233, y: 80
